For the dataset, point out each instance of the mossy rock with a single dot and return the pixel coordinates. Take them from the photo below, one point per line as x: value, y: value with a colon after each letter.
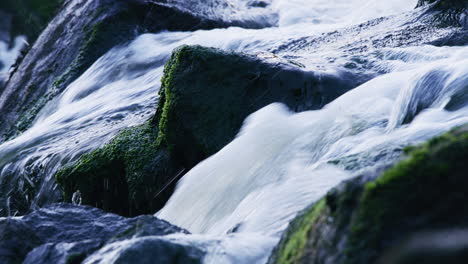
x: 317, y: 233
x: 207, y: 94
x: 427, y: 191
x: 127, y: 176
x: 292, y: 249
x: 369, y: 215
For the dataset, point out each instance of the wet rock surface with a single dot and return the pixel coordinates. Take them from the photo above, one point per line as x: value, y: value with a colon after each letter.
x: 65, y: 233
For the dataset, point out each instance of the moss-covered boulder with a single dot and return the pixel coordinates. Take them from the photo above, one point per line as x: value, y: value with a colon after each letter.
x: 128, y: 176
x: 206, y: 94
x: 363, y: 218
x: 424, y: 192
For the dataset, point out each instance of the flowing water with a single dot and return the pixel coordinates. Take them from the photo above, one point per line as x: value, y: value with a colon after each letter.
x: 281, y: 161
x: 8, y: 56
x: 239, y: 201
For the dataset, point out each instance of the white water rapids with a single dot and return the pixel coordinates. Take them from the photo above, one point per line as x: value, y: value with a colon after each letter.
x: 280, y: 162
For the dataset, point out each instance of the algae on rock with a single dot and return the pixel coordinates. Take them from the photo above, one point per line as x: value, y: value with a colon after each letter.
x: 125, y: 176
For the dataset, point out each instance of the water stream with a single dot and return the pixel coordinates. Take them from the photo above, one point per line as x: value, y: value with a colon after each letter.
x: 237, y: 206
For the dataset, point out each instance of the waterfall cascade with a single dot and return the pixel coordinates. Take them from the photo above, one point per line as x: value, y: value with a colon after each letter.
x: 238, y: 202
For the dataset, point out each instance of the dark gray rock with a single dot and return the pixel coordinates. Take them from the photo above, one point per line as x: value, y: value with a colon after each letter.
x: 60, y: 233
x: 147, y: 250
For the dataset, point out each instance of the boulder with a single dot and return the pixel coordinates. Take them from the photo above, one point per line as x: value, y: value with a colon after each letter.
x: 205, y: 96
x: 207, y: 93
x: 365, y: 217
x: 65, y: 233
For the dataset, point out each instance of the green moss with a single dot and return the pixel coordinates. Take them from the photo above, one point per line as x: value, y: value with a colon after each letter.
x: 292, y: 250
x: 124, y: 176
x: 424, y: 192
x: 166, y: 97
x: 201, y: 115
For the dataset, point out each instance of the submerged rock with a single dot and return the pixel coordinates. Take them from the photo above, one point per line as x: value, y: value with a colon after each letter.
x: 364, y: 217
x: 64, y: 233
x: 206, y: 94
